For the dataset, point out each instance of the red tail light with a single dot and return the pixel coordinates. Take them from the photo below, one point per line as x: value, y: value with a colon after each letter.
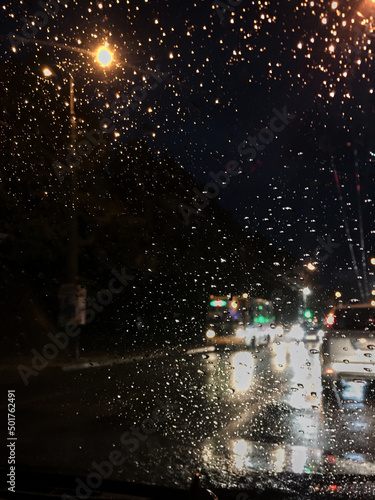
x: 330, y: 319
x: 329, y: 371
x: 333, y: 487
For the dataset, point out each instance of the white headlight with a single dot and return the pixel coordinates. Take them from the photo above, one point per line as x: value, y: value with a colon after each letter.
x: 240, y: 333
x: 297, y: 332
x: 279, y: 331
x: 210, y: 334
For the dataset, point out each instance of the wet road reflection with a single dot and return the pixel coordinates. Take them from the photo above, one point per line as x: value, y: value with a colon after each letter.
x: 233, y: 412
x: 284, y: 424
x: 279, y: 427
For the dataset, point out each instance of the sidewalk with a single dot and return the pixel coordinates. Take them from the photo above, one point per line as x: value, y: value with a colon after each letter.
x: 100, y: 358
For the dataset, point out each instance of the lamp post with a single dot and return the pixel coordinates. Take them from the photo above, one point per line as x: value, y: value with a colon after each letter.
x: 72, y: 296
x: 302, y: 304
x: 72, y: 258
x: 305, y: 292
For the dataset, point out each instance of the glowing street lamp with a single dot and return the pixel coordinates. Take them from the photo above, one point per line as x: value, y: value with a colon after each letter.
x: 104, y: 56
x: 71, y: 291
x: 310, y: 266
x: 337, y: 295
x: 47, y: 72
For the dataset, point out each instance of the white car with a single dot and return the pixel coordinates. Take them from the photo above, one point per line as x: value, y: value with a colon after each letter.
x: 349, y: 344
x: 258, y: 335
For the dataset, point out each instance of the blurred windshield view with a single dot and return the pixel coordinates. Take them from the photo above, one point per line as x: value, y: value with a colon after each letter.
x: 186, y: 240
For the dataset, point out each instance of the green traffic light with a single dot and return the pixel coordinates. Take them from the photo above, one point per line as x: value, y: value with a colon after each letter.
x: 259, y: 319
x: 307, y: 314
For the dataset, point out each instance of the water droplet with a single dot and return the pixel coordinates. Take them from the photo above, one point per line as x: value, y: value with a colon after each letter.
x: 368, y: 354
x: 300, y: 386
x: 314, y: 351
x: 371, y: 346
x: 346, y: 361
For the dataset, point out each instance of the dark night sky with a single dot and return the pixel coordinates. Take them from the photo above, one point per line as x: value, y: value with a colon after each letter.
x: 225, y: 78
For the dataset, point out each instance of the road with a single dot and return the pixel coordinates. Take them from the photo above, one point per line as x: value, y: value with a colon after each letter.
x: 225, y: 412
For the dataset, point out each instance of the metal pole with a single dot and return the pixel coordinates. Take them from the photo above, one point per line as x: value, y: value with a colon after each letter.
x: 360, y: 223
x: 72, y: 257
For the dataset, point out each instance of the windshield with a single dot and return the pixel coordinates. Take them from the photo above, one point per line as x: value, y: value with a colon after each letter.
x: 187, y: 191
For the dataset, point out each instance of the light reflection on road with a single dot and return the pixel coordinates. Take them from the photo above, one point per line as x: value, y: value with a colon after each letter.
x: 281, y: 425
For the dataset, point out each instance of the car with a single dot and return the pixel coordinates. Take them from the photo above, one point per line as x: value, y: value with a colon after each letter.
x: 348, y: 344
x: 306, y: 332
x: 257, y: 335
x: 313, y: 333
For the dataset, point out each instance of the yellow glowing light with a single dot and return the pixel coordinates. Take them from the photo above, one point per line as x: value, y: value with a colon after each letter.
x: 373, y: 261
x: 310, y: 266
x: 334, y: 5
x: 104, y: 56
x: 338, y: 294
x: 372, y: 292
x: 47, y: 72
